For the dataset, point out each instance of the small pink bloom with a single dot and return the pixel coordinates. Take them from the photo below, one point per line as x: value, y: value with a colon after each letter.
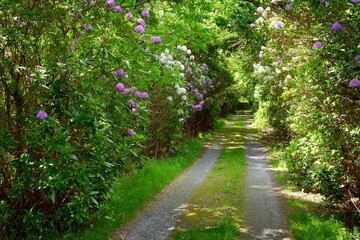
x: 131, y: 132
x: 145, y: 13
x: 354, y: 83
x: 138, y: 94
x: 139, y: 29
x: 141, y: 21
x: 336, y: 26
x: 42, y: 115
x: 129, y: 15
x: 144, y: 95
x: 117, y: 9
x: 111, y: 3
x: 120, y: 86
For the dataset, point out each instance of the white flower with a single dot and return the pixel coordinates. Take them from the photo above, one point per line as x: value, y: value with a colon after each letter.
x: 188, y: 51
x: 182, y: 67
x: 192, y: 57
x: 184, y: 48
x: 183, y: 97
x: 182, y: 75
x: 170, y: 98
x: 260, y: 19
x: 277, y: 71
x: 167, y: 51
x: 180, y: 112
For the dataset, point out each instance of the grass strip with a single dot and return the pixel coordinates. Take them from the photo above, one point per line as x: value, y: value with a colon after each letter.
x: 132, y: 192
x: 308, y: 220
x: 216, y: 206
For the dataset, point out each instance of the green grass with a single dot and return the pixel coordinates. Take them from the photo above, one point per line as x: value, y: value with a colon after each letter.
x: 309, y: 220
x: 132, y: 192
x: 215, y: 209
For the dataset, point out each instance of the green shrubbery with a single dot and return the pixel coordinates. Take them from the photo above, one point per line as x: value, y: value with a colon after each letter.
x: 89, y: 91
x: 305, y: 77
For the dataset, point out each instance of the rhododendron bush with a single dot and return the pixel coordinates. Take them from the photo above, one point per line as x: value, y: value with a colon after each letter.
x: 304, y: 82
x: 90, y: 89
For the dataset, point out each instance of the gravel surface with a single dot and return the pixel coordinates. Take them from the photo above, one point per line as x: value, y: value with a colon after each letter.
x: 263, y: 210
x: 158, y: 219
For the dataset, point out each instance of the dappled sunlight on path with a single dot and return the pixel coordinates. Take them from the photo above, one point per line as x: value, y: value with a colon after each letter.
x: 263, y: 211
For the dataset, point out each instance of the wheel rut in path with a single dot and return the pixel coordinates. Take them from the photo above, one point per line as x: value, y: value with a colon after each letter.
x: 264, y: 213
x: 156, y: 221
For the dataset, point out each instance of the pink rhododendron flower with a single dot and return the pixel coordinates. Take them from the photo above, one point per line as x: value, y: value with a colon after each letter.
x: 129, y: 15
x: 87, y: 26
x: 117, y: 9
x: 111, y: 3
x: 141, y: 21
x: 288, y: 7
x: 120, y: 72
x: 355, y: 1
x: 42, y: 115
x: 125, y: 91
x: 131, y: 132
x: 277, y: 24
x: 120, y: 86
x: 144, y: 95
x: 317, y: 45
x: 252, y: 25
x: 336, y: 26
x: 260, y: 9
x: 354, y: 83
x: 139, y: 29
x: 357, y: 57
x: 155, y: 39
x: 138, y: 94
x: 145, y: 13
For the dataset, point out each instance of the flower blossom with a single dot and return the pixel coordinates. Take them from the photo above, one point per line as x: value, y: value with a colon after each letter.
x: 277, y: 24
x: 336, y: 26
x: 87, y: 26
x: 117, y: 9
x: 288, y: 7
x: 131, y: 132
x: 317, y: 45
x: 155, y: 39
x: 145, y: 13
x: 111, y: 3
x: 260, y: 9
x: 42, y: 115
x: 139, y: 29
x: 144, y: 95
x: 357, y: 57
x: 355, y: 1
x: 354, y: 83
x: 129, y: 15
x: 252, y: 25
x: 120, y: 86
x: 141, y: 21
x: 120, y: 72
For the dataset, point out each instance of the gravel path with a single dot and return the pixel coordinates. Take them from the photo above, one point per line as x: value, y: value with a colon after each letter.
x: 263, y: 211
x: 158, y: 219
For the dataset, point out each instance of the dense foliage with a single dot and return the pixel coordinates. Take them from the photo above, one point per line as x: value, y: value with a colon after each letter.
x: 304, y: 84
x: 90, y: 89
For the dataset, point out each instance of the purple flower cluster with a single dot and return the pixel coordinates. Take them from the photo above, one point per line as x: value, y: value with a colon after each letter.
x: 277, y: 24
x: 131, y: 132
x: 145, y: 13
x: 87, y: 26
x: 112, y: 4
x: 317, y: 45
x: 139, y: 29
x: 42, y: 115
x: 357, y: 57
x: 354, y: 83
x: 141, y: 94
x: 119, y: 72
x: 336, y: 26
x: 155, y: 39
